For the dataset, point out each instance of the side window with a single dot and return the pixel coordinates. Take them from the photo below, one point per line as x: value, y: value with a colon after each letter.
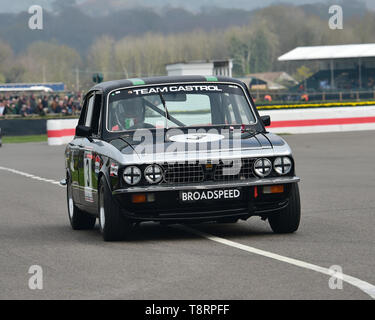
x: 82, y: 116
x: 89, y: 111
x: 95, y: 123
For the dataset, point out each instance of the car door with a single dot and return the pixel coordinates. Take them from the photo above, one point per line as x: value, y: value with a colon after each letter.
x: 75, y: 159
x: 88, y: 171
x: 73, y: 169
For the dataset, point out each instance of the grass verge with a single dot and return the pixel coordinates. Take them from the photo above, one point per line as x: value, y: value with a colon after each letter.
x: 25, y: 139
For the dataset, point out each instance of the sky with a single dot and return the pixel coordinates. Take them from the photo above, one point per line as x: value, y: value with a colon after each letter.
x: 23, y: 5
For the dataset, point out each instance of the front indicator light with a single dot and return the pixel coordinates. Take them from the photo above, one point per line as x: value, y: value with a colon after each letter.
x: 151, y: 197
x: 273, y: 189
x: 143, y: 198
x: 139, y: 198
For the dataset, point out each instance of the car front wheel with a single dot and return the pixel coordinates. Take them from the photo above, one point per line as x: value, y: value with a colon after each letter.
x: 288, y: 219
x: 113, y: 226
x: 79, y: 220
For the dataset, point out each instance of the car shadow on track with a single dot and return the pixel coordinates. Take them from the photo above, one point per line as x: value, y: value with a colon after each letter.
x: 156, y: 232
x: 147, y: 232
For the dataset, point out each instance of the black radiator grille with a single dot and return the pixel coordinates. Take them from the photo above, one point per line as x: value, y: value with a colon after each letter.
x: 180, y: 173
x: 183, y: 173
x: 237, y: 170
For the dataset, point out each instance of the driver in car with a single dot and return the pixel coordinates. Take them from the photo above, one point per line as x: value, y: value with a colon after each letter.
x: 130, y: 115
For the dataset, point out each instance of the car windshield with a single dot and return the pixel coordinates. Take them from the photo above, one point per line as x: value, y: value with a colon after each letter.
x: 184, y: 105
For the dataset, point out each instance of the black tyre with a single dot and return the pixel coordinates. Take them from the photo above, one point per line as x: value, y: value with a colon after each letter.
x: 79, y: 220
x: 288, y: 219
x: 113, y: 226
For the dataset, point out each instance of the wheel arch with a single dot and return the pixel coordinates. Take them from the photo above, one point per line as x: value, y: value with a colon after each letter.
x: 101, y: 175
x: 68, y: 174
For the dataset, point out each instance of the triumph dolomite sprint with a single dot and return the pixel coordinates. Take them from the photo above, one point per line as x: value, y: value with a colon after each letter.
x: 177, y: 150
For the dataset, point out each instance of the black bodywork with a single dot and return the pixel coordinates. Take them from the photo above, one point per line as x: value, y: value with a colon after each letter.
x: 90, y: 155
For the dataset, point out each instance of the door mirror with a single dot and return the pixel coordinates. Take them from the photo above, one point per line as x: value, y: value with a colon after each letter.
x: 83, y: 131
x: 266, y: 120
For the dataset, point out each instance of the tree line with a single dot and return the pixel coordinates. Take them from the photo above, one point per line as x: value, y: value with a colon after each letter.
x: 254, y: 46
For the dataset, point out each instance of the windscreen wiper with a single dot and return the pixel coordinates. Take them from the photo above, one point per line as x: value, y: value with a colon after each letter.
x: 163, y: 113
x: 248, y: 132
x: 167, y: 117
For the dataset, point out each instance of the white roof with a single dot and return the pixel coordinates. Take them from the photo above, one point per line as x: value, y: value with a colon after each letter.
x: 330, y: 52
x: 22, y: 89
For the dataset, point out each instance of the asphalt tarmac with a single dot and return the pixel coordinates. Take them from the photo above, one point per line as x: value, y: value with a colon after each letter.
x: 161, y: 262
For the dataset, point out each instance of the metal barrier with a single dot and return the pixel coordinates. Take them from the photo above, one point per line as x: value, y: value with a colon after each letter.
x: 22, y: 127
x: 287, y: 97
x: 61, y: 131
x: 321, y: 119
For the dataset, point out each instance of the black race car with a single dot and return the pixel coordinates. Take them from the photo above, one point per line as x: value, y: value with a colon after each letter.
x: 177, y: 150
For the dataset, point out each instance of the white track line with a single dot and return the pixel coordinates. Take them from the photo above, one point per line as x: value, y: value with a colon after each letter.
x: 31, y: 176
x: 364, y: 286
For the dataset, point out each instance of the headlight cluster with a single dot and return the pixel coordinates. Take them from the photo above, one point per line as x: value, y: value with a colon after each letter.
x: 153, y: 174
x: 133, y: 175
x: 263, y: 167
x: 282, y: 165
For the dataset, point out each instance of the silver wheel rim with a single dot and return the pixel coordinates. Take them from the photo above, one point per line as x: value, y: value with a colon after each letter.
x: 102, y: 217
x: 102, y: 213
x: 71, y: 205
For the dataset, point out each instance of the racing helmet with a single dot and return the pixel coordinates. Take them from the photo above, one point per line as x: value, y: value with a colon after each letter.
x: 130, y: 112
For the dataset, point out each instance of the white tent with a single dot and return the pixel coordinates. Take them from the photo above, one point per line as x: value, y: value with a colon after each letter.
x: 332, y: 53
x: 26, y: 89
x: 347, y: 51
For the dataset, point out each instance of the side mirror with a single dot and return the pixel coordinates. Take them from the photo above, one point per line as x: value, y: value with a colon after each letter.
x: 83, y: 131
x: 266, y: 120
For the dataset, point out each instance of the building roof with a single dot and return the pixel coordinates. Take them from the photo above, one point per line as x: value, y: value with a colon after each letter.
x: 27, y: 89
x: 215, y: 61
x: 330, y: 52
x: 274, y: 80
x: 273, y: 76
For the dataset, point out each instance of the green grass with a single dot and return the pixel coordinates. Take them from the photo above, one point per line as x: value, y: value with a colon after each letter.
x: 25, y: 139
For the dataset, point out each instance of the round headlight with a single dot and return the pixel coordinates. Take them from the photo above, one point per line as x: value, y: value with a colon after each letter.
x: 153, y: 174
x: 132, y: 175
x: 282, y: 165
x: 262, y: 167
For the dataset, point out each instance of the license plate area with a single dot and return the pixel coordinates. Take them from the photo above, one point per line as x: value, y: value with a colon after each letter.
x: 216, y: 195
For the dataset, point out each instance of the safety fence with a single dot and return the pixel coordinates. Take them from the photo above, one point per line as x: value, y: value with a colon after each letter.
x: 316, y: 105
x: 60, y: 132
x: 309, y: 118
x: 295, y: 97
x: 283, y: 121
x: 321, y: 119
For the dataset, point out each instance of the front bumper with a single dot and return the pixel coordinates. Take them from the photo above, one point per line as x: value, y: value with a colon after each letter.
x: 168, y: 208
x: 209, y: 185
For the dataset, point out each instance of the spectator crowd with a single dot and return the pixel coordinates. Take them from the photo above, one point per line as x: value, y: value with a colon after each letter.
x: 27, y: 105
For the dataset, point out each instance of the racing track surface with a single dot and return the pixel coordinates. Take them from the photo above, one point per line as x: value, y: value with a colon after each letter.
x: 338, y: 207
